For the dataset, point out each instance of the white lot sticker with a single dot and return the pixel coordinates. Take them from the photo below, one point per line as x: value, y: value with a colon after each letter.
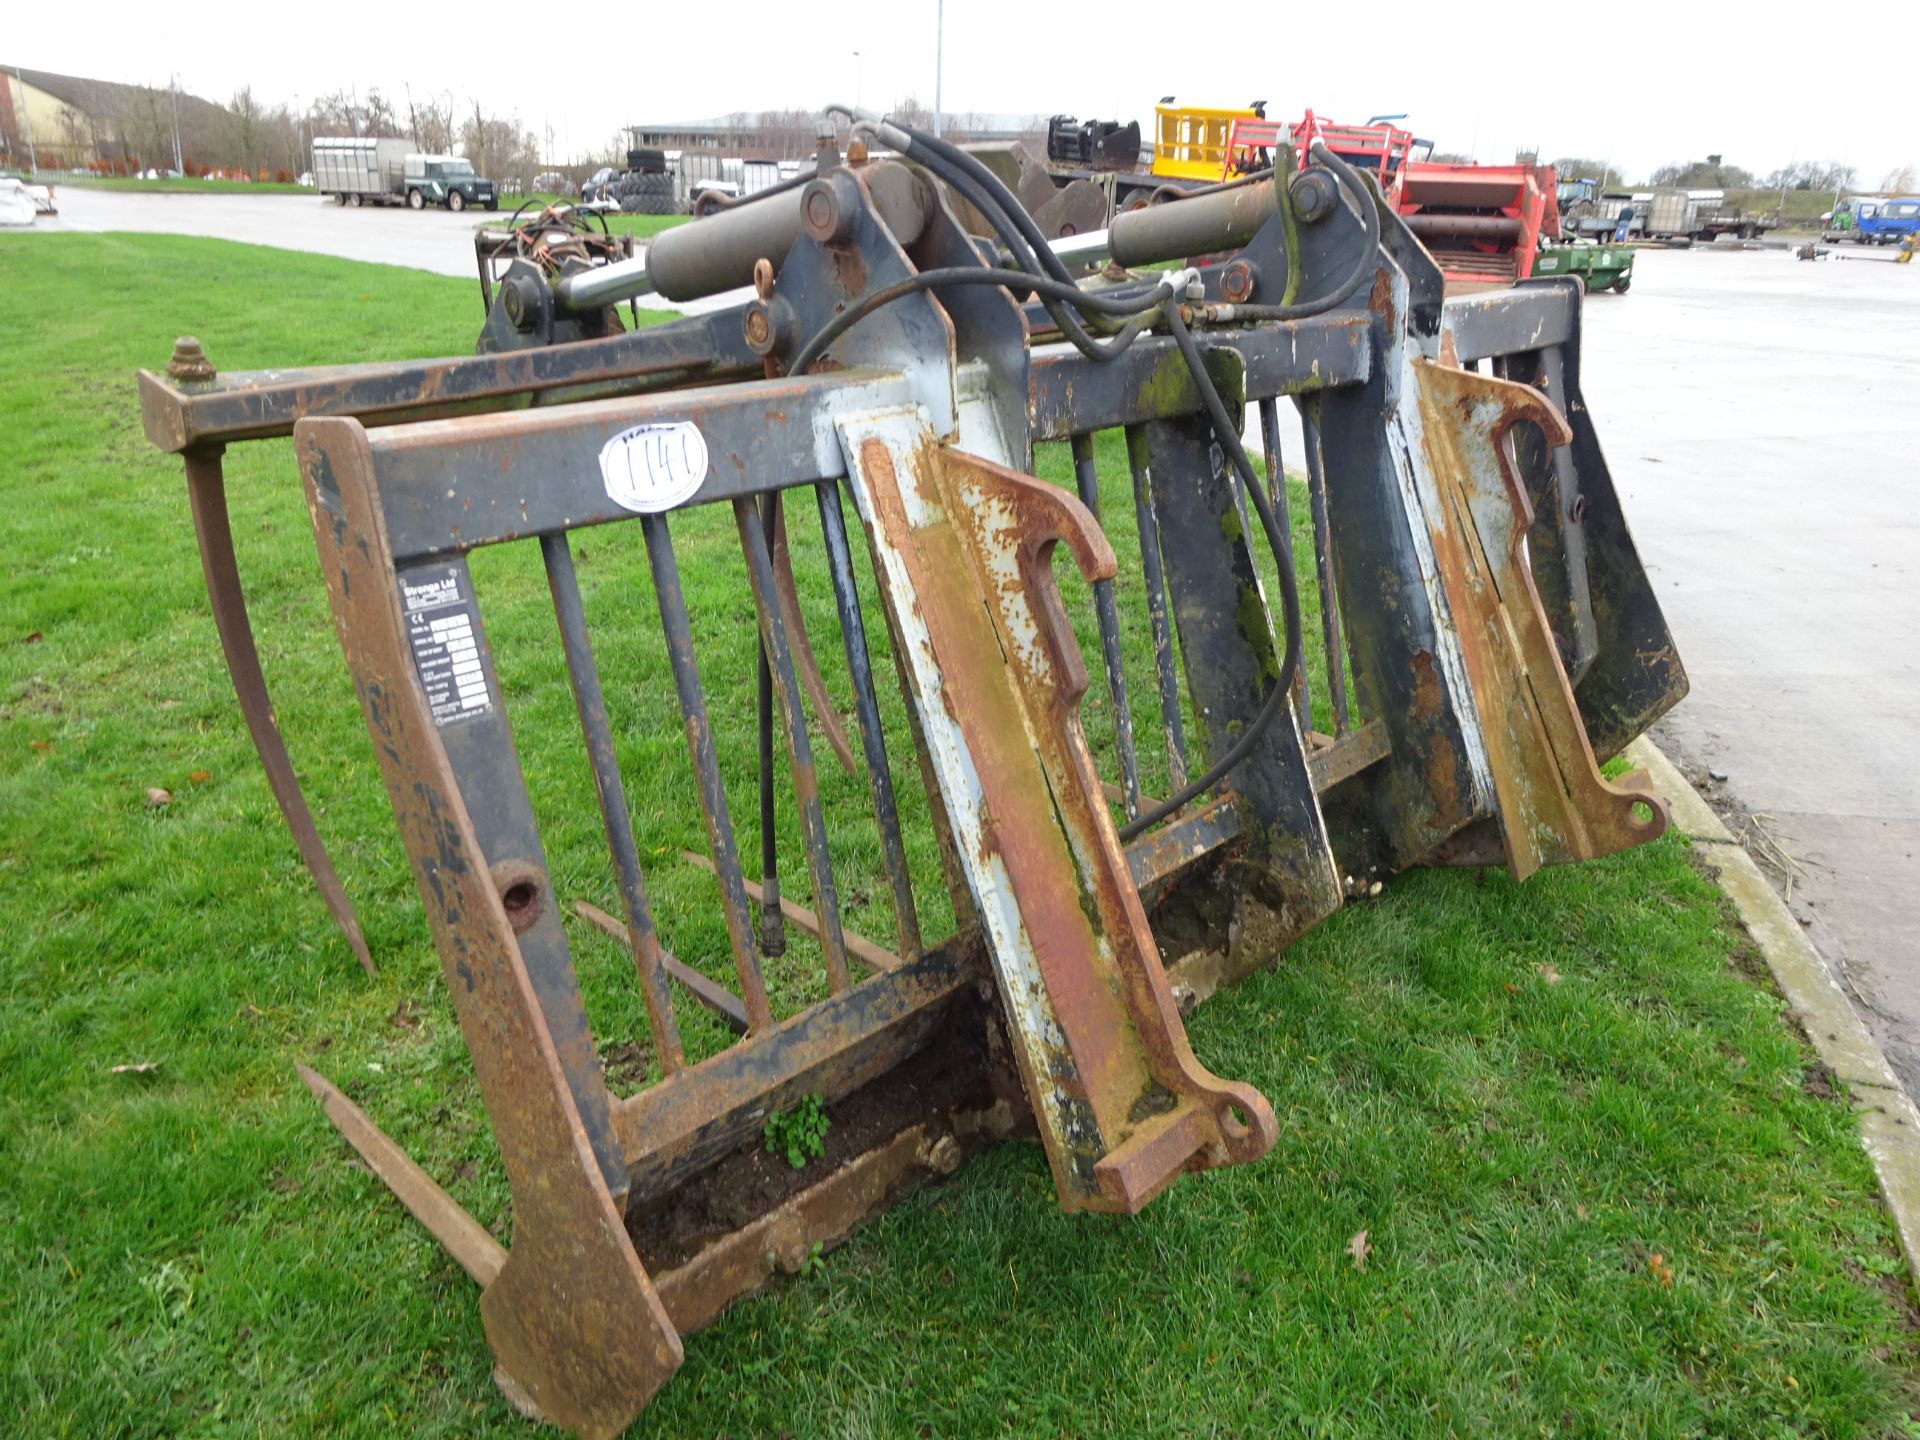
x: 445, y: 649
x: 651, y: 468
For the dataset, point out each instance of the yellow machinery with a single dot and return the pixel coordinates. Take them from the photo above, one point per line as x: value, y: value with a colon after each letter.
x: 1190, y: 142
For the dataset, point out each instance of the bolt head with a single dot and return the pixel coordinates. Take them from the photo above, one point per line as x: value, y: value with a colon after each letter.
x: 1313, y: 194
x: 189, y: 363
x: 821, y: 212
x: 522, y: 309
x: 758, y: 328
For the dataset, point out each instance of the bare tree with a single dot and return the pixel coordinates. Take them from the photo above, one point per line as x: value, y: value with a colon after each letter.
x: 1812, y: 175
x: 431, y: 120
x: 145, y: 125
x: 499, y: 149
x: 377, y: 117
x: 245, y: 117
x: 78, y: 137
x: 911, y: 112
x: 336, y: 114
x: 1901, y: 181
x: 1575, y: 167
x: 785, y: 134
x: 280, y: 142
x: 1710, y: 173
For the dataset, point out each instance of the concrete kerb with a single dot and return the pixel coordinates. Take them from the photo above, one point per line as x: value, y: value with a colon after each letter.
x: 1889, y: 1121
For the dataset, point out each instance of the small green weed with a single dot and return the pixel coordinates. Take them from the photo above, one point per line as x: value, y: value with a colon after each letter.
x: 800, y: 1134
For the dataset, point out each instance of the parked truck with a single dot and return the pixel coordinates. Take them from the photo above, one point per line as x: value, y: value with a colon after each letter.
x: 1875, y: 220
x: 1670, y: 213
x: 361, y: 170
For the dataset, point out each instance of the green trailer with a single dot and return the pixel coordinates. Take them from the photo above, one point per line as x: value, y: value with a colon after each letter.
x: 1602, y: 267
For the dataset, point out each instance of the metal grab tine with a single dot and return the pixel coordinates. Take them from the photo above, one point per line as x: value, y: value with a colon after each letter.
x: 614, y: 817
x: 806, y: 779
x: 886, y: 812
x: 859, y: 947
x: 824, y: 715
x: 1323, y: 561
x: 773, y: 930
x: 713, y: 792
x: 1087, y: 482
x: 207, y: 497
x: 1155, y: 577
x: 1277, y: 493
x: 710, y: 993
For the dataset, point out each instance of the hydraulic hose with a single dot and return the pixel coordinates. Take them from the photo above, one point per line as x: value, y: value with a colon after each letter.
x: 1136, y: 305
x: 1229, y: 436
x: 1043, y: 274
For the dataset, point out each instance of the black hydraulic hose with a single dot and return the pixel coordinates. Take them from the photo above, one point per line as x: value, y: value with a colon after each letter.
x: 956, y: 166
x: 1229, y: 435
x: 999, y: 218
x: 923, y: 145
x: 1364, y: 263
x: 1139, y: 307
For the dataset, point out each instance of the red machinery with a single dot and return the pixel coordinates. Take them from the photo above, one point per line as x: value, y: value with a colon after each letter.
x: 1482, y: 223
x: 1381, y: 150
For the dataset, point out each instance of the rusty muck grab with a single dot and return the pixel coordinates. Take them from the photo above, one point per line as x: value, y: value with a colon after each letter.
x: 873, y: 403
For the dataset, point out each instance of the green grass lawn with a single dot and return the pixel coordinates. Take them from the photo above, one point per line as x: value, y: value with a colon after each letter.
x: 1605, y: 1191
x: 185, y: 185
x: 1799, y: 210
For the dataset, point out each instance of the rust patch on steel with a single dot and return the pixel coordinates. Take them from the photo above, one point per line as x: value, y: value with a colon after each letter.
x: 1380, y: 294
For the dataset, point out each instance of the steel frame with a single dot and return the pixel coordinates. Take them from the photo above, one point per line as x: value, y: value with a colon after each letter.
x: 1491, y: 637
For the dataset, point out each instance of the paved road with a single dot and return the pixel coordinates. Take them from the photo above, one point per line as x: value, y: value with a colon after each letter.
x: 1762, y: 417
x: 436, y: 240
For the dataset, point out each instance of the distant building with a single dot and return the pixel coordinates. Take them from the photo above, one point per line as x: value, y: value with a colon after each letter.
x: 789, y: 134
x: 72, y: 122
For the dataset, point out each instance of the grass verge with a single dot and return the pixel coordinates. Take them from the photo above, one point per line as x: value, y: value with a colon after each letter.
x: 1600, y: 1189
x: 186, y: 185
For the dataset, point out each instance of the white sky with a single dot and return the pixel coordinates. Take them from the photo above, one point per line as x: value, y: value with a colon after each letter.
x: 1679, y: 81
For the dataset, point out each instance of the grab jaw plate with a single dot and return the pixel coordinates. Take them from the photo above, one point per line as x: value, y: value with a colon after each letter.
x: 1554, y: 804
x: 964, y: 552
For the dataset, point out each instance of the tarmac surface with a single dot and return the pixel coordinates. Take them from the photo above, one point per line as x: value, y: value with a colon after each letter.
x: 1761, y: 416
x: 1762, y: 419
x: 436, y: 240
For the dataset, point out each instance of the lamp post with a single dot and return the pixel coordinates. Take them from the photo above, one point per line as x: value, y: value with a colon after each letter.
x: 939, y: 46
x: 859, y: 82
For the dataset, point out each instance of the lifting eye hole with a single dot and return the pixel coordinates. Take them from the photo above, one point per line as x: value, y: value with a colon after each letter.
x: 523, y: 894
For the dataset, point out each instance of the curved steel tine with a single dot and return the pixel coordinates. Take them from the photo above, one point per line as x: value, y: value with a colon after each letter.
x: 207, y: 495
